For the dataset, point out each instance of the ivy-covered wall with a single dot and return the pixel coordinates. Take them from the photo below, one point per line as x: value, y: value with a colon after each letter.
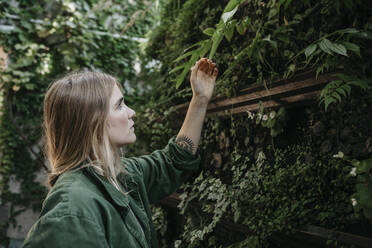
x: 275, y: 170
x: 44, y: 40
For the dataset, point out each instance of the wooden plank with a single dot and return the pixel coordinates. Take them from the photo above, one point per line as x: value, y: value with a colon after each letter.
x: 272, y: 92
x: 267, y: 104
x: 342, y: 237
x: 302, y: 87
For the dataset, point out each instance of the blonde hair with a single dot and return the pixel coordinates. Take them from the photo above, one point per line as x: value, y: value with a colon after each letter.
x: 75, y: 131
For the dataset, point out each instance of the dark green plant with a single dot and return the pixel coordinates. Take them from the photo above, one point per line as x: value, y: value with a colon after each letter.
x: 362, y: 170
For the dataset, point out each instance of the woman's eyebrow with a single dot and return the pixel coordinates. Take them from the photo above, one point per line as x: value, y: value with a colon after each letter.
x: 119, y: 101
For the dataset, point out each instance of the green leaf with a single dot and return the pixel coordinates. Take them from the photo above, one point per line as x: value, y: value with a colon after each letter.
x: 271, y: 42
x: 348, y: 31
x: 241, y: 28
x: 328, y: 101
x: 204, y: 49
x: 347, y: 88
x: 365, y: 165
x: 337, y: 96
x: 184, y: 56
x: 364, y: 84
x: 209, y: 31
x: 364, y: 35
x: 216, y: 42
x: 338, y: 48
x: 326, y: 45
x: 177, y: 68
x: 229, y: 32
x: 310, y: 49
x: 194, y: 45
x: 181, y: 77
x: 341, y: 91
x: 365, y: 195
x: 351, y: 47
x: 228, y: 15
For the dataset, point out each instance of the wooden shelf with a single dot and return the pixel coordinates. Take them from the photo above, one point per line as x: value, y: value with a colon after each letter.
x: 301, y: 89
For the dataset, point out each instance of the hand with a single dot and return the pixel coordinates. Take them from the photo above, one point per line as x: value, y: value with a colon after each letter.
x: 202, y: 79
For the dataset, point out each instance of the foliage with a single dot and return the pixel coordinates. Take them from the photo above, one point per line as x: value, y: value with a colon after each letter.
x: 273, y: 40
x: 224, y: 28
x: 274, y: 120
x: 268, y: 173
x: 45, y: 40
x: 335, y: 90
x: 270, y: 193
x: 362, y: 170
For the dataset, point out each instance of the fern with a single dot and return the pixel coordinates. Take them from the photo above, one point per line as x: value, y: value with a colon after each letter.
x: 336, y: 90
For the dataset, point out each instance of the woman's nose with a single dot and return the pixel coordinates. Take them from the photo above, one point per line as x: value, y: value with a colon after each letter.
x: 131, y: 112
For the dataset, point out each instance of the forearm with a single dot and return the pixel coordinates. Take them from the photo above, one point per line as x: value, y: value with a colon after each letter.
x: 193, y: 123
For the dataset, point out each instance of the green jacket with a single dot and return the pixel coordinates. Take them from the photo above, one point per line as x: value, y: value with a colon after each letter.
x: 84, y: 210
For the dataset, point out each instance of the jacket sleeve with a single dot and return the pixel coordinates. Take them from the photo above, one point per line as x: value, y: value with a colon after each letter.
x: 163, y: 171
x: 65, y: 231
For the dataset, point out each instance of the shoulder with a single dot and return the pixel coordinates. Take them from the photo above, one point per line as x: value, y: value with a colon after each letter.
x: 74, y: 194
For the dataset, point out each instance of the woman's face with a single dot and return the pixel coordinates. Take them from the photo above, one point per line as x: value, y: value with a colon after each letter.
x: 120, y: 123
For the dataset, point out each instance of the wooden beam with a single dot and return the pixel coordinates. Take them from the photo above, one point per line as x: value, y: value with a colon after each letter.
x: 279, y: 89
x: 345, y: 238
x: 285, y: 101
x: 303, y: 88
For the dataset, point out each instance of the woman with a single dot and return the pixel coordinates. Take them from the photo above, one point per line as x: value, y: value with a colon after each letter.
x: 98, y: 199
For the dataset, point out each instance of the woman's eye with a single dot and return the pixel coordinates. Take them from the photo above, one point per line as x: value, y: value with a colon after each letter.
x: 121, y: 105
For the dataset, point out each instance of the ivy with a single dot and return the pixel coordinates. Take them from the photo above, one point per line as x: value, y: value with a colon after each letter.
x: 45, y: 40
x: 264, y: 171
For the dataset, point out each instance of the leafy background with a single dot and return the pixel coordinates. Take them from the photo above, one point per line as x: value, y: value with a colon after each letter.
x: 272, y: 171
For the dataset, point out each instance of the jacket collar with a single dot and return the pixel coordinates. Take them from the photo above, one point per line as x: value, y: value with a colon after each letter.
x: 108, y: 189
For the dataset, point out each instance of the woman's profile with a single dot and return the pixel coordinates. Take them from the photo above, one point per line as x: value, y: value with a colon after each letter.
x: 97, y: 198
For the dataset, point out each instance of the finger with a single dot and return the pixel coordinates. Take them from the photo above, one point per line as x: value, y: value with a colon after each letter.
x: 194, y: 71
x: 215, y: 72
x: 211, y: 68
x: 204, y: 66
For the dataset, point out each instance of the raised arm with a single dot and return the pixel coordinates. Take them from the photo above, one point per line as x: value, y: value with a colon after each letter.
x: 202, y: 79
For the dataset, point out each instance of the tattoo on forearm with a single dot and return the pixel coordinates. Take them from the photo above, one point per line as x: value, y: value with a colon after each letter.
x: 185, y: 142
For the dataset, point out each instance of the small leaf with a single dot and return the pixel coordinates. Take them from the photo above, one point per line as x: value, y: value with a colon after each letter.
x: 325, y: 45
x: 271, y: 42
x: 194, y: 45
x: 347, y: 88
x: 364, y: 35
x: 241, y: 29
x: 337, y: 96
x: 177, y: 69
x: 351, y: 47
x: 229, y: 32
x: 341, y: 91
x: 365, y: 165
x: 328, y: 101
x: 181, y: 77
x: 348, y: 31
x: 184, y: 56
x: 228, y: 15
x: 360, y: 83
x: 209, y: 31
x: 310, y: 49
x: 338, y: 48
